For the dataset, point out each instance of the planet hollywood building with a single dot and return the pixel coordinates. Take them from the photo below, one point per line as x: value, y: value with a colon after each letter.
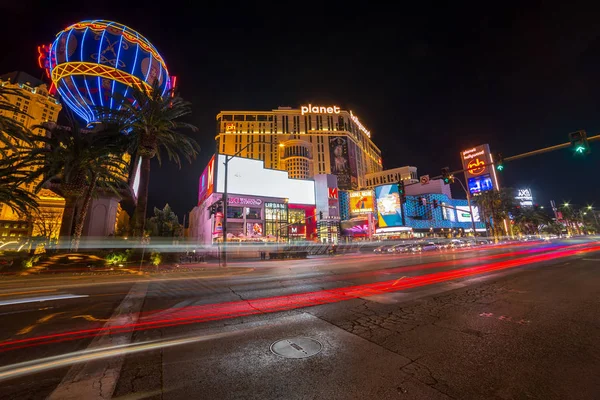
x: 305, y: 141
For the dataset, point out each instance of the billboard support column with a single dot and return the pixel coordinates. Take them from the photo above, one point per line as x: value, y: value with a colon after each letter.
x: 469, y: 203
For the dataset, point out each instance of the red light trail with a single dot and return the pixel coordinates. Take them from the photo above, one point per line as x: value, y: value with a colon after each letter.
x: 220, y: 311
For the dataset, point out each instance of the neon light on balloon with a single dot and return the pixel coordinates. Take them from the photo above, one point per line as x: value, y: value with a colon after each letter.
x: 93, y: 62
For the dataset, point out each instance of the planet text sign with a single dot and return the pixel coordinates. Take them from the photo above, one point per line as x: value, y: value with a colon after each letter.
x: 310, y: 109
x: 479, y: 171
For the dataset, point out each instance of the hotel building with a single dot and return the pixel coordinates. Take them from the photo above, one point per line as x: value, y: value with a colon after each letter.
x: 31, y: 96
x: 305, y: 142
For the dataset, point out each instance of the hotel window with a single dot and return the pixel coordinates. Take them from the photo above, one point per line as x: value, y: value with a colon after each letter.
x: 238, y: 117
x: 250, y: 117
x: 227, y: 117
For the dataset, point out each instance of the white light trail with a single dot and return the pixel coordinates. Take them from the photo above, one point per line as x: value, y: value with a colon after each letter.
x: 41, y: 298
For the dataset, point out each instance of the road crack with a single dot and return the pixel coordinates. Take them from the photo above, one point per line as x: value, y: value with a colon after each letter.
x: 243, y: 299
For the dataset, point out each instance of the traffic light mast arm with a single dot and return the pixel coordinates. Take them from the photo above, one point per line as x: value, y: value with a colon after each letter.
x: 454, y: 208
x: 522, y: 155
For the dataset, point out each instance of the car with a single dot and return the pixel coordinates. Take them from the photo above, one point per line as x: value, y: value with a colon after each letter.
x: 400, y: 248
x: 381, y: 249
x: 428, y: 246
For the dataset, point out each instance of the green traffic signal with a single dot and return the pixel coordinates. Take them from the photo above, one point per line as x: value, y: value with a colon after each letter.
x: 500, y: 167
x: 579, y: 142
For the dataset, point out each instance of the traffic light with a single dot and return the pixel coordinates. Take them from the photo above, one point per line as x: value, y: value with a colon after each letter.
x: 435, y: 203
x: 401, y: 192
x: 499, y: 161
x: 579, y: 142
x: 320, y: 214
x: 446, y: 176
x: 212, y: 209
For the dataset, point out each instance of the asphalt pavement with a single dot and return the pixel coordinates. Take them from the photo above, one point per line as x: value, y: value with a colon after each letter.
x: 498, y: 323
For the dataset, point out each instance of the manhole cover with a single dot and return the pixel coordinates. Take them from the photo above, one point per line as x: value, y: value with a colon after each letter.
x: 300, y: 347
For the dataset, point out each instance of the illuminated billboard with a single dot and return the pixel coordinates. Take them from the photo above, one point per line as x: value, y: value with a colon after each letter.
x: 449, y: 214
x: 479, y: 171
x: 339, y: 159
x: 361, y: 202
x: 389, y: 211
x: 463, y: 214
x: 207, y: 180
x: 525, y: 197
x: 480, y: 184
x: 250, y: 177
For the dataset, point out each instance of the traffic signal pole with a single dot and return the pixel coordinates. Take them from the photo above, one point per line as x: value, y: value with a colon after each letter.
x: 225, y: 195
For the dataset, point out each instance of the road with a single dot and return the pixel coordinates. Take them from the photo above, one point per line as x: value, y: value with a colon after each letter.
x: 504, y: 322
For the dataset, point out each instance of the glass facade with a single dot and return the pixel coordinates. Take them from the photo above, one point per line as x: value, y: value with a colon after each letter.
x: 276, y: 220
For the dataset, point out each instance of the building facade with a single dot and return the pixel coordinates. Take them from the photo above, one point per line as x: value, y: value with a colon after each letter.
x: 407, y: 174
x: 31, y: 96
x: 305, y: 142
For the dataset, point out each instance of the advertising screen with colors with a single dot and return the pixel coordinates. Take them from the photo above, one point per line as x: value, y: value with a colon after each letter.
x: 389, y: 212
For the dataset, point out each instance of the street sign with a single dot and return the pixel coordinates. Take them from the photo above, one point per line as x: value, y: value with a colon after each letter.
x: 424, y: 179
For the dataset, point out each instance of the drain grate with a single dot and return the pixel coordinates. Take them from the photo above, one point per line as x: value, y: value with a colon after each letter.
x: 300, y: 347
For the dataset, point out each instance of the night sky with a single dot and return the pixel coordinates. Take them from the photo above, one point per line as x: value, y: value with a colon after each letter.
x: 428, y: 82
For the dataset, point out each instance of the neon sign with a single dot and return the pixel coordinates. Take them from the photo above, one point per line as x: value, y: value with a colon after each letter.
x: 476, y: 166
x: 243, y: 201
x: 333, y: 193
x: 360, y: 126
x: 319, y: 109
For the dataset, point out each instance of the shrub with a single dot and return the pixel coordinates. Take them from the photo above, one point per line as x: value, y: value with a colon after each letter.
x: 117, y: 257
x: 29, y: 262
x: 155, y: 258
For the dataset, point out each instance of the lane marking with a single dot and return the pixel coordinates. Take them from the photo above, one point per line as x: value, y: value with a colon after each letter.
x: 398, y: 280
x: 90, y: 318
x: 96, y: 377
x: 42, y: 320
x: 41, y: 299
x: 29, y: 292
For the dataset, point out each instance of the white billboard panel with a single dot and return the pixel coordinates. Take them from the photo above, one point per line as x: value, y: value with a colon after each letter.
x: 251, y: 178
x: 462, y: 212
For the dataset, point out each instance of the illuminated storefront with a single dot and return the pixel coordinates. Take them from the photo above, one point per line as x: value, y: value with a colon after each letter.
x: 263, y: 204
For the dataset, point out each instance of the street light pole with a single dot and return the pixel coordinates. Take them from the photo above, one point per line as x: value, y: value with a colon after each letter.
x: 224, y: 220
x: 225, y: 197
x: 469, y: 203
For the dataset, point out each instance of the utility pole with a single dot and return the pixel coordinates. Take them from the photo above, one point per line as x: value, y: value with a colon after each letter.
x: 225, y: 194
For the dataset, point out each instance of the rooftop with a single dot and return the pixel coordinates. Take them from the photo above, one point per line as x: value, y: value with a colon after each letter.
x: 21, y: 77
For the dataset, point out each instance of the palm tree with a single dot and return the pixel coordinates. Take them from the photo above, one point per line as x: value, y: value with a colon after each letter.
x: 151, y: 121
x: 12, y: 130
x: 529, y: 220
x: 106, y: 172
x: 495, y: 206
x: 70, y: 161
x: 15, y: 197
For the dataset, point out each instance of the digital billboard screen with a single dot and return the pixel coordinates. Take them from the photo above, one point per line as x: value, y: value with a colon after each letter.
x: 480, y: 184
x: 361, y: 202
x: 205, y: 185
x: 389, y: 211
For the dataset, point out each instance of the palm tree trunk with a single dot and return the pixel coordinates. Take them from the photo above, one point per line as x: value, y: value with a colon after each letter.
x: 83, y: 213
x: 66, y: 225
x: 142, y: 203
